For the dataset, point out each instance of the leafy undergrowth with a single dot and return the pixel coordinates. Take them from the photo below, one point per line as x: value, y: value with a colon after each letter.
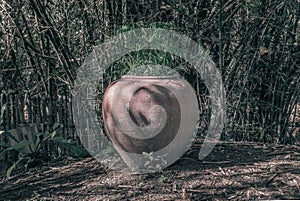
x: 233, y: 171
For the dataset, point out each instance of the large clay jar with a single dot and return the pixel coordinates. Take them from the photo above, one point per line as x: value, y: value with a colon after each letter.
x: 150, y: 120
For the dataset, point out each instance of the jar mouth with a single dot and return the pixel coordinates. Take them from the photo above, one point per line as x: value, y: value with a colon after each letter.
x: 151, y: 76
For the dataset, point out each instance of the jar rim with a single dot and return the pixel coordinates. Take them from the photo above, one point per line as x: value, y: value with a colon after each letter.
x: 150, y: 76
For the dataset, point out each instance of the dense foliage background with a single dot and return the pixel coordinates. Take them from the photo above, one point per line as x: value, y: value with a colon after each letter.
x: 255, y: 45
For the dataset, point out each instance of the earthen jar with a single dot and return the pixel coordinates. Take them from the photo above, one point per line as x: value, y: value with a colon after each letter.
x: 150, y: 114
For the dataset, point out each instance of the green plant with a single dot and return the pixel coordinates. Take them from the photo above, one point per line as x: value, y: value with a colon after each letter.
x: 30, y: 152
x: 152, y: 162
x: 163, y: 178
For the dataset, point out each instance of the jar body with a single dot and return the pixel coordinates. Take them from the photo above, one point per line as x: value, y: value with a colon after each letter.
x: 150, y: 115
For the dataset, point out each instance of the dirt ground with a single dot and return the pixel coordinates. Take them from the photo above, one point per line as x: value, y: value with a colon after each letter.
x: 233, y: 171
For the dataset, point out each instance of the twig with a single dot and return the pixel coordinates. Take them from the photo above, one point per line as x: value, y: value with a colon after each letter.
x: 271, y: 179
x: 205, y: 162
x: 216, y: 162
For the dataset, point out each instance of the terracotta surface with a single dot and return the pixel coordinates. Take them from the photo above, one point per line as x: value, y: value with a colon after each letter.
x: 148, y: 113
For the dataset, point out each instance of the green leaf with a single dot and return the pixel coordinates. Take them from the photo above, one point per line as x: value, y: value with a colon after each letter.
x: 59, y: 140
x: 2, y: 153
x: 8, y: 134
x: 37, y: 141
x: 75, y: 150
x: 52, y: 134
x: 12, y: 167
x: 47, y: 135
x: 56, y: 126
x: 2, y: 144
x: 18, y: 147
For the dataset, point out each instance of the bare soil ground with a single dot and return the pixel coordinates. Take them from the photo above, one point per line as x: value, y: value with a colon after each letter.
x: 233, y: 171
